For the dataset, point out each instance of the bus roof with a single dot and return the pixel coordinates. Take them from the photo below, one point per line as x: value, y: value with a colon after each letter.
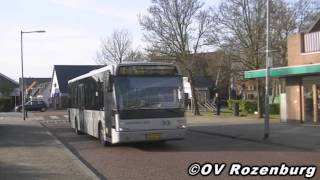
x: 112, y: 68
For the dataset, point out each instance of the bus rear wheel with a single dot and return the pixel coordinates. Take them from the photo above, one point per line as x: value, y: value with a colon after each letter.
x: 101, y: 136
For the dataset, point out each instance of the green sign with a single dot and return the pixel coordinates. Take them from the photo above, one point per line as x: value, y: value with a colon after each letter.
x: 284, y: 71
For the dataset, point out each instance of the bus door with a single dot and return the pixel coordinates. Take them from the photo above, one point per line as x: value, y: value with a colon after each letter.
x: 81, y: 100
x: 108, y: 103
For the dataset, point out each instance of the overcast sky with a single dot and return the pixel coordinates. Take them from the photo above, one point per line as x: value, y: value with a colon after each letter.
x: 74, y: 29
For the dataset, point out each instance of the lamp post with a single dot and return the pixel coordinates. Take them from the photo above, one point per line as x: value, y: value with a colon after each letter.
x: 266, y: 106
x: 22, y: 79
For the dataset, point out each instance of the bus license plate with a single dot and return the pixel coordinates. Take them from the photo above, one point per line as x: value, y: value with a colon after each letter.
x: 153, y: 136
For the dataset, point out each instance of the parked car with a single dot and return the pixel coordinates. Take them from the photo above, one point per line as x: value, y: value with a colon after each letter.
x: 34, y: 105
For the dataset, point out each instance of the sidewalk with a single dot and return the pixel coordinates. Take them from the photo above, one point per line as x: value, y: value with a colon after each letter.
x: 305, y: 137
x: 29, y: 151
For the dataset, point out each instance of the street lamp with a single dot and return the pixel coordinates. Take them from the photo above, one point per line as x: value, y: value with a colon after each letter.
x: 22, y: 79
x: 266, y: 106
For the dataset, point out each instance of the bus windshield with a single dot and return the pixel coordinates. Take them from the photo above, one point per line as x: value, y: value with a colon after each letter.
x: 140, y: 92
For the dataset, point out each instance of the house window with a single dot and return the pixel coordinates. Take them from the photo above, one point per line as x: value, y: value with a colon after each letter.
x: 250, y: 96
x: 251, y: 88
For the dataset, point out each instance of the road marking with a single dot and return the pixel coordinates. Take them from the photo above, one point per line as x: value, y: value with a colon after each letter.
x: 54, y: 117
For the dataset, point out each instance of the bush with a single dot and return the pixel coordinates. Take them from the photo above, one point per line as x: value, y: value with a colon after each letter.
x: 274, y: 108
x: 6, y: 104
x: 230, y: 103
x: 244, y: 106
x: 248, y: 106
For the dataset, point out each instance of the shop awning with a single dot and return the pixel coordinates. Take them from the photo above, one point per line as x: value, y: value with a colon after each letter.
x: 284, y: 71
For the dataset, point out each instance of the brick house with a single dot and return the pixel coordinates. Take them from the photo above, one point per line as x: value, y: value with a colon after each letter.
x: 302, y: 76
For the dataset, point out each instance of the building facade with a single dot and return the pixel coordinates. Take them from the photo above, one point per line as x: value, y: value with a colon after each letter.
x: 302, y: 76
x: 303, y: 92
x: 34, y: 88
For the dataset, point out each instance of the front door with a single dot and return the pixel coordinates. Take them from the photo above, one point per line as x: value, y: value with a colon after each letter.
x: 81, y: 100
x: 108, y: 105
x: 308, y: 102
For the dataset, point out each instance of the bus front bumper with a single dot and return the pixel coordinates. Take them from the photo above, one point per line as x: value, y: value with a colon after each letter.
x: 141, y: 136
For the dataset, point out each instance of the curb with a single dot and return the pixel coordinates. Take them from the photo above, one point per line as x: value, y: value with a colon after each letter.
x: 75, y: 158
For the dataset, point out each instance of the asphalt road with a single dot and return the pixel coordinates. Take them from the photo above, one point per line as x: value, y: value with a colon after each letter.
x: 171, y: 160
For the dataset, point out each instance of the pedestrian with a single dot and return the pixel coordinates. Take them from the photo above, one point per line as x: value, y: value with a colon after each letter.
x: 218, y: 103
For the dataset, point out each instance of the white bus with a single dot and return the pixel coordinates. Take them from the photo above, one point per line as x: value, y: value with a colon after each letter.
x: 129, y: 102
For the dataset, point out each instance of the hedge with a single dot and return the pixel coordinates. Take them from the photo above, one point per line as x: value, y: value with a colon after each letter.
x: 274, y: 108
x: 6, y: 104
x: 251, y: 106
x: 244, y: 106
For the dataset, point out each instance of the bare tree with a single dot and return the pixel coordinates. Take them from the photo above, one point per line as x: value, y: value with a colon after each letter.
x: 240, y: 31
x: 115, y: 48
x: 177, y: 28
x: 136, y: 55
x: 305, y: 13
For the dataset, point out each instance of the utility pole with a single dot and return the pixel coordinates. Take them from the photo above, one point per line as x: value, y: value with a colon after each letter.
x: 266, y: 106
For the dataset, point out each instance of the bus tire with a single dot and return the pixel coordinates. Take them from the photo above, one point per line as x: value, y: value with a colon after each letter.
x: 101, y: 139
x: 76, y: 130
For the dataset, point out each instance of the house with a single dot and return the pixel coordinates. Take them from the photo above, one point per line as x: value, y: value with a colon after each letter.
x: 59, y: 84
x: 203, y: 87
x: 32, y: 85
x: 301, y: 100
x: 249, y: 91
x: 9, y: 88
x: 41, y: 91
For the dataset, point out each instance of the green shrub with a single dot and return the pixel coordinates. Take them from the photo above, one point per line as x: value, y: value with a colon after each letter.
x: 249, y: 107
x: 6, y: 104
x: 274, y: 108
x: 246, y: 107
x: 230, y: 103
